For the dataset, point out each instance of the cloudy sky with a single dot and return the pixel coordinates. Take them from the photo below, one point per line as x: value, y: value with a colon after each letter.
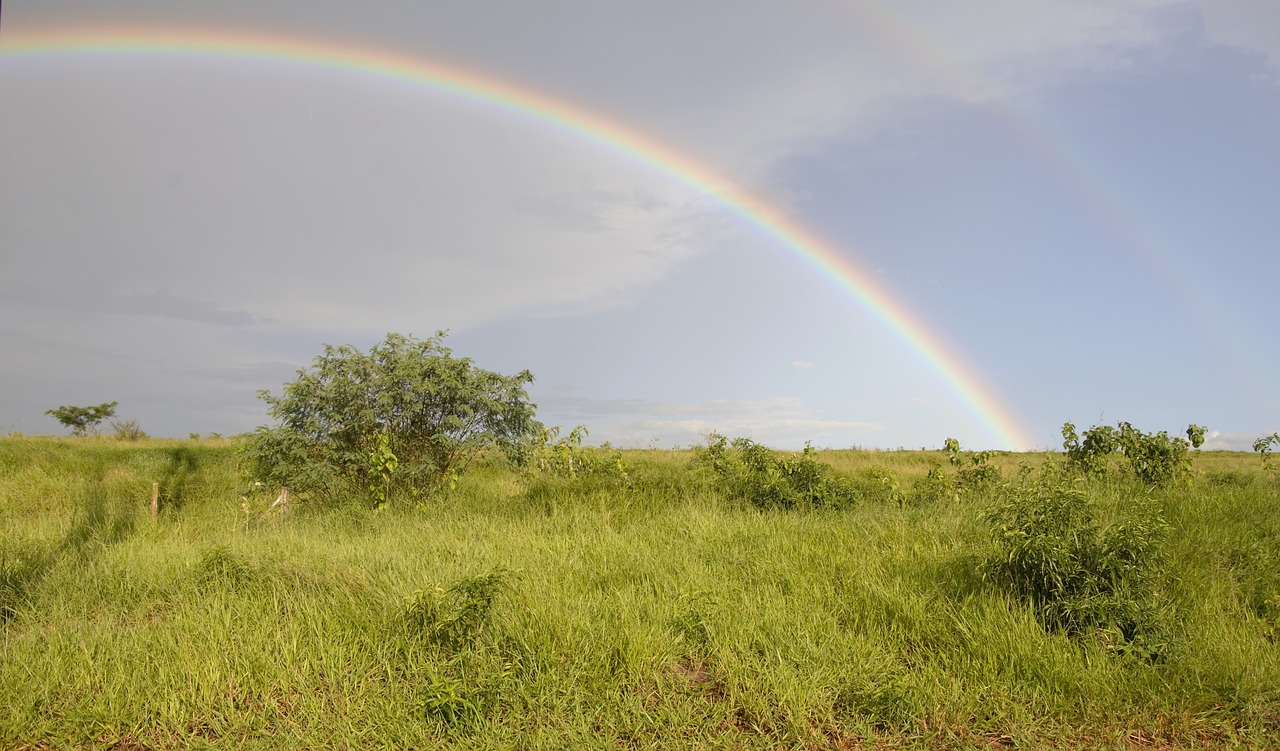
x: 1053, y: 210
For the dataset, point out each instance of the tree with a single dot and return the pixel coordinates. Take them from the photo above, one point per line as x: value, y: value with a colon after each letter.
x: 82, y: 420
x: 406, y: 416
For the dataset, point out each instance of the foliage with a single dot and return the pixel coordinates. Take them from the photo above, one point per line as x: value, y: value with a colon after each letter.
x: 550, y: 454
x: 382, y: 465
x: 1263, y: 448
x: 1154, y: 458
x: 128, y: 430
x: 935, y: 487
x: 975, y: 474
x: 454, y: 619
x: 448, y: 625
x: 878, y: 485
x: 83, y: 420
x: 342, y: 421
x: 767, y: 479
x: 1091, y: 455
x: 1078, y: 574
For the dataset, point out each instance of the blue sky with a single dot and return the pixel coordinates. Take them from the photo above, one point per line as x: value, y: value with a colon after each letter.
x: 1076, y: 198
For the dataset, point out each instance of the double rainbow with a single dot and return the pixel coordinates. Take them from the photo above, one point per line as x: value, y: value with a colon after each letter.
x: 502, y: 95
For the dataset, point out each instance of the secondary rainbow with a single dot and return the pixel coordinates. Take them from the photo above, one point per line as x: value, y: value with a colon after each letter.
x: 503, y: 95
x: 1073, y: 165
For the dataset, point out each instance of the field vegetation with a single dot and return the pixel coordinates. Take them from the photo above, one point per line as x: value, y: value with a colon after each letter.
x: 572, y: 596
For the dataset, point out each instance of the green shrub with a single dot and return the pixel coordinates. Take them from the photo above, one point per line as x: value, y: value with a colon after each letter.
x: 128, y: 430
x: 1092, y: 455
x: 549, y: 454
x: 1078, y: 574
x: 766, y: 479
x: 1263, y: 447
x: 453, y: 619
x: 975, y: 474
x: 935, y: 487
x: 460, y: 683
x: 878, y: 485
x: 1153, y: 458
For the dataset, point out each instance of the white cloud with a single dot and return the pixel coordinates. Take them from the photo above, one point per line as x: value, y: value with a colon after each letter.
x: 783, y: 422
x: 1217, y: 441
x: 801, y: 365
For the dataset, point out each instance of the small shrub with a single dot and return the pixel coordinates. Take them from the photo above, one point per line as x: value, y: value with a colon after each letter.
x: 1229, y: 479
x: 1263, y: 447
x: 935, y: 487
x: 1092, y: 455
x: 549, y: 454
x: 1153, y: 458
x: 878, y: 485
x: 453, y: 619
x: 1078, y: 574
x: 766, y: 479
x: 975, y: 474
x: 128, y: 430
x: 884, y: 698
x: 220, y: 568
x: 21, y: 566
x: 444, y: 635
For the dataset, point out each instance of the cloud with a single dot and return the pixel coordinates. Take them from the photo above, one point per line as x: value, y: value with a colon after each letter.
x: 1249, y: 24
x: 782, y: 422
x: 801, y: 365
x: 1218, y: 441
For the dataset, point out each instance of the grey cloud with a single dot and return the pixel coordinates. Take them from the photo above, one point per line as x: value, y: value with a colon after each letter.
x: 86, y: 299
x: 783, y: 422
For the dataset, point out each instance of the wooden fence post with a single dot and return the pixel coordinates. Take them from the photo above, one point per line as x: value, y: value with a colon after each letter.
x: 282, y: 500
x: 155, y: 500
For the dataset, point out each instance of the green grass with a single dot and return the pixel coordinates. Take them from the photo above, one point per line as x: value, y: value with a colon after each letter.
x: 558, y: 613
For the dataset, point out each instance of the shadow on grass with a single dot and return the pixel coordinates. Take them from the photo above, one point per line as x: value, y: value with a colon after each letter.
x: 179, y: 472
x: 100, y: 523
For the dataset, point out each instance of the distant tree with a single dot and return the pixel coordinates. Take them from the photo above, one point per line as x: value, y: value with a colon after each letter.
x: 405, y: 416
x: 83, y: 420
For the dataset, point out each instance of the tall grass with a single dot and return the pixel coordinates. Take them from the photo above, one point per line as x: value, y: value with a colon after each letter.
x: 641, y: 612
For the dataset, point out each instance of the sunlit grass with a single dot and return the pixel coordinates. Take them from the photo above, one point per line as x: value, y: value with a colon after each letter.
x: 652, y: 614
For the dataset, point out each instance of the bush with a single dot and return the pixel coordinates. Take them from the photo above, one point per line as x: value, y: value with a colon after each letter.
x: 1091, y: 456
x: 766, y: 479
x: 977, y: 474
x: 1076, y: 573
x: 1154, y: 458
x: 128, y: 430
x: 549, y: 454
x: 406, y: 416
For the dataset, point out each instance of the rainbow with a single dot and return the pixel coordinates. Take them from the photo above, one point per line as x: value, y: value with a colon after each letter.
x: 1081, y: 172
x: 476, y: 87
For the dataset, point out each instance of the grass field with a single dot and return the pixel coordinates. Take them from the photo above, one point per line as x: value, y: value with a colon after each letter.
x: 655, y: 612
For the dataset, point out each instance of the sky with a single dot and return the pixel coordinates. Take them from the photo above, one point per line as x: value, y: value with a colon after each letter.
x: 851, y: 222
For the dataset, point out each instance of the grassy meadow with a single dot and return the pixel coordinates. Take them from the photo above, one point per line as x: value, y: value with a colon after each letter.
x: 531, y: 611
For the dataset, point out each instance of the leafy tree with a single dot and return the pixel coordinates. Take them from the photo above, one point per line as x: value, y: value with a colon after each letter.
x: 405, y: 416
x: 83, y: 420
